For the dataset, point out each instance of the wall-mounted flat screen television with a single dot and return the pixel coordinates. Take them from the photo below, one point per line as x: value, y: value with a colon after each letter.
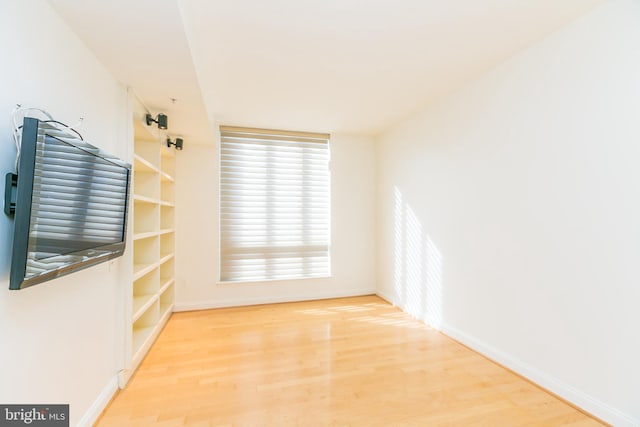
x: 69, y: 202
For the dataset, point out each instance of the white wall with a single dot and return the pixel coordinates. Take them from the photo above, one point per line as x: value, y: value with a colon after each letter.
x: 509, y: 213
x: 58, y: 339
x: 353, y: 232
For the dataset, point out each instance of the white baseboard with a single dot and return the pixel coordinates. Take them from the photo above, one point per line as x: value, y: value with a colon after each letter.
x: 576, y: 397
x: 239, y: 302
x: 101, y: 402
x: 388, y: 298
x: 570, y: 394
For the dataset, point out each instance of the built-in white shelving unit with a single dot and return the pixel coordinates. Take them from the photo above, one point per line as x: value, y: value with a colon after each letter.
x: 153, y: 240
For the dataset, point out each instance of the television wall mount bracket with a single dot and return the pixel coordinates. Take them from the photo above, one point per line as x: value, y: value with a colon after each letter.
x: 10, y: 193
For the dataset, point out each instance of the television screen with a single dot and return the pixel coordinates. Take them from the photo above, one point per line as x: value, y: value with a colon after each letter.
x: 70, y: 208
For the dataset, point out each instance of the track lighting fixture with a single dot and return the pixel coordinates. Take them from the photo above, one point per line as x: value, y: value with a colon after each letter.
x: 160, y: 119
x: 178, y: 143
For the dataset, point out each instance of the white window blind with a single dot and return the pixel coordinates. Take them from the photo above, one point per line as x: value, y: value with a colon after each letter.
x: 274, y: 204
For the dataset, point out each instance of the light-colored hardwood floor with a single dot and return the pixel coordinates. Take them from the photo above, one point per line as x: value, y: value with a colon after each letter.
x: 342, y: 362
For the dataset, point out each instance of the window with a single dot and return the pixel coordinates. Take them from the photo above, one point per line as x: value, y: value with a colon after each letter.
x: 274, y: 204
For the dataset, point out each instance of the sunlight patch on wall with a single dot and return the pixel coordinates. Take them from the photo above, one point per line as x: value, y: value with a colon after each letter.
x: 417, y: 276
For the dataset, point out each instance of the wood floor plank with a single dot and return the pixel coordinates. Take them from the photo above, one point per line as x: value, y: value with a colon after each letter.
x: 342, y: 362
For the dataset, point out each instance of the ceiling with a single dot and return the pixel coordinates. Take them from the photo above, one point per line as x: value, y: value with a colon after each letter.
x: 338, y: 66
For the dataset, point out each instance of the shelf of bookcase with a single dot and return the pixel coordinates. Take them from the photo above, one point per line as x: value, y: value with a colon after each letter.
x: 141, y: 304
